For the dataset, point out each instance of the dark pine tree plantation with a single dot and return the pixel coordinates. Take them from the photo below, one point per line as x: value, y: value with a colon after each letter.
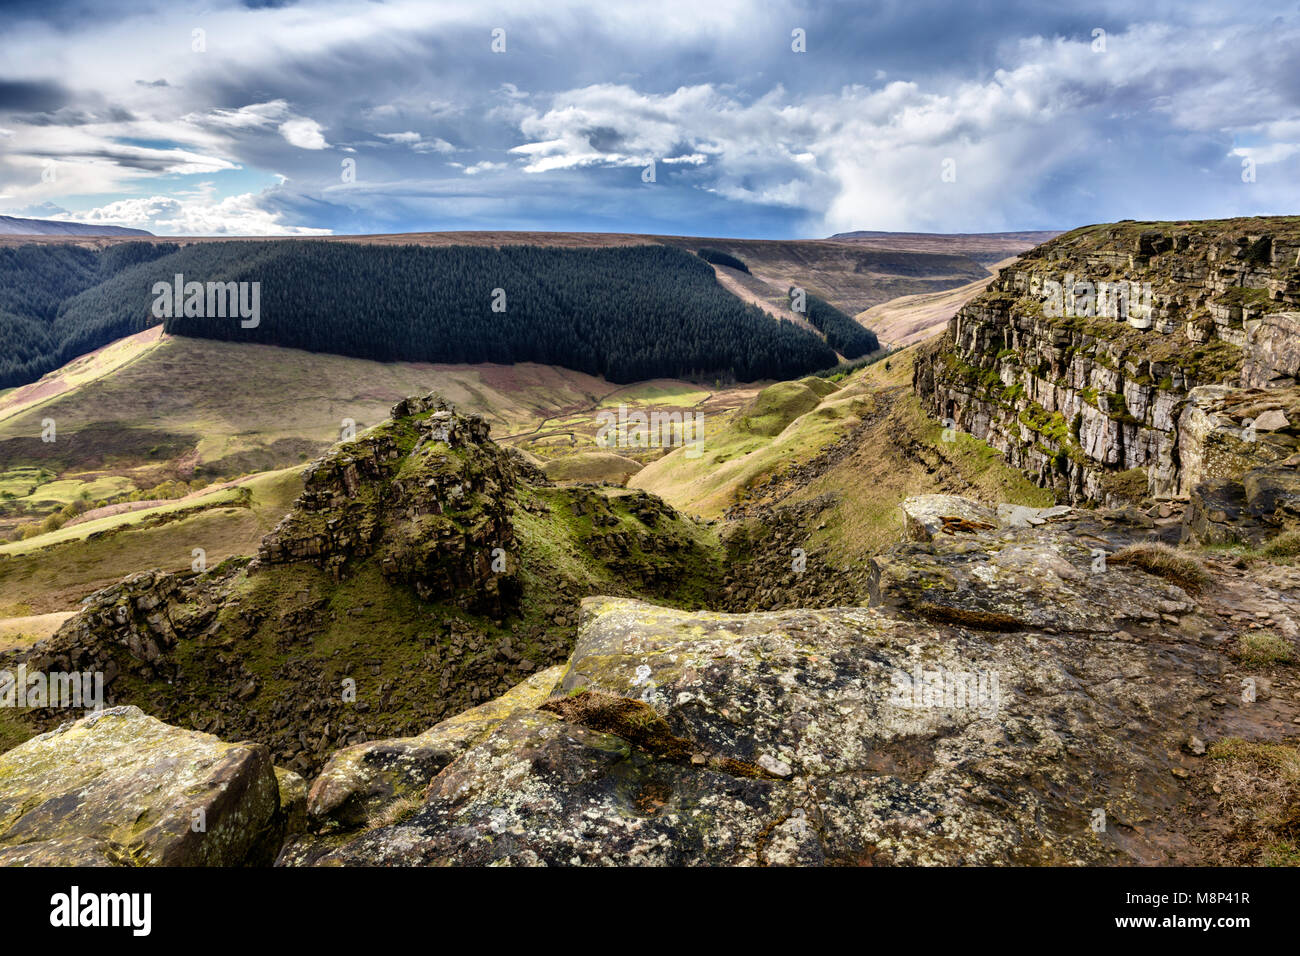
x: 36, y: 281
x: 720, y: 258
x: 628, y: 313
x: 843, y: 334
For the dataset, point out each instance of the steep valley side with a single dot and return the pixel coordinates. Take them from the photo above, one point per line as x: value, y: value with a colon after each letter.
x: 1108, y: 363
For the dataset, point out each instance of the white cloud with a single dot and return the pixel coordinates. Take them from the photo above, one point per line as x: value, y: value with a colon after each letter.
x: 200, y: 216
x: 480, y: 167
x: 303, y: 133
x: 418, y: 142
x: 875, y: 154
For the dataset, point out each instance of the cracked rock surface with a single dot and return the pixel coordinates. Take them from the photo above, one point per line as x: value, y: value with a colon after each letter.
x: 850, y: 735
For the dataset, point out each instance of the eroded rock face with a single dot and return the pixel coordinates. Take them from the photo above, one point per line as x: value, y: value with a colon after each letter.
x: 433, y: 513
x: 1260, y: 505
x: 1272, y: 351
x: 1225, y: 432
x: 122, y: 788
x: 1077, y: 397
x: 851, y: 735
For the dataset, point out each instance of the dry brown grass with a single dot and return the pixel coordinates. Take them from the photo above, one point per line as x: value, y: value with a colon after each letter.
x: 394, y: 813
x: 1262, y: 648
x: 1258, y: 787
x: 1165, y: 562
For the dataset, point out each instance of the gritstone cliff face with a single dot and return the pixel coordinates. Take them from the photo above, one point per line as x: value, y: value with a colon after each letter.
x: 1092, y: 363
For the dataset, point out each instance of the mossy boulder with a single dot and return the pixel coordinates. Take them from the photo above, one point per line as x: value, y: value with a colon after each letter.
x: 821, y: 737
x: 120, y: 787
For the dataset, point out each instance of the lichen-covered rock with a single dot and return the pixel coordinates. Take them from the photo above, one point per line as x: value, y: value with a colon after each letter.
x: 1043, y: 368
x: 1226, y: 432
x: 119, y: 787
x: 293, y: 800
x: 848, y: 735
x: 1272, y: 351
x: 1249, y: 509
x: 361, y: 780
x: 926, y: 516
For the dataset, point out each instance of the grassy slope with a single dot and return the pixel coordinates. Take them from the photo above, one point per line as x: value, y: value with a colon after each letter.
x: 54, y: 572
x: 237, y: 400
x: 914, y: 318
x: 252, y: 408
x: 786, y: 422
x: 897, y: 452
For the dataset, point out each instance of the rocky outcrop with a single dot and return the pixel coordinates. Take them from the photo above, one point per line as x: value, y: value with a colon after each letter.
x: 430, y: 499
x: 1007, y: 690
x: 121, y: 788
x: 418, y: 548
x: 1083, y: 387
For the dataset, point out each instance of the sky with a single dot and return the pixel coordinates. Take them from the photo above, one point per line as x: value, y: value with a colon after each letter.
x: 732, y: 119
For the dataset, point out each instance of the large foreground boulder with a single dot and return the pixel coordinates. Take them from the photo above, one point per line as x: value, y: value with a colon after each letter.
x: 844, y: 736
x: 122, y: 788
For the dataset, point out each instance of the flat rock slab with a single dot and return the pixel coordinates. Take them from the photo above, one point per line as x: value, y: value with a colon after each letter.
x: 840, y: 736
x: 122, y: 788
x: 926, y: 516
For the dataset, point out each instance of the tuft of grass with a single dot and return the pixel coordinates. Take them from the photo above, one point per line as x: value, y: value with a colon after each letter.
x: 1163, y: 561
x: 1259, y: 787
x: 394, y: 813
x: 1261, y: 648
x: 1285, y: 545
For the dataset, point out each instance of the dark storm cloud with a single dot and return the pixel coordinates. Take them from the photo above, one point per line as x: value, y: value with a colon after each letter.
x: 31, y: 96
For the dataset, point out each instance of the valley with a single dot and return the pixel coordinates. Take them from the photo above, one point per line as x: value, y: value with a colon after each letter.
x: 427, y: 594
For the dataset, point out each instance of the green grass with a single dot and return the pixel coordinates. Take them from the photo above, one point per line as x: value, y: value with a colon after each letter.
x: 22, y: 481
x: 1262, y: 648
x: 785, y: 423
x: 1285, y: 545
x: 79, y: 532
x: 68, y: 490
x: 56, y: 575
x: 897, y: 454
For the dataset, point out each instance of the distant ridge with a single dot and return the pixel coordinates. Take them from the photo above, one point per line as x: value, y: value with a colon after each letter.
x: 1037, y: 236
x: 983, y: 247
x: 12, y: 226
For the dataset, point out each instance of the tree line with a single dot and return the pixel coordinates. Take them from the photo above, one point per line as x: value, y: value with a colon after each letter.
x: 628, y: 313
x: 842, y: 331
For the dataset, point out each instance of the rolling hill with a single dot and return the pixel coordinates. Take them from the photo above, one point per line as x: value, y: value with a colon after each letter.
x: 14, y: 226
x: 64, y: 295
